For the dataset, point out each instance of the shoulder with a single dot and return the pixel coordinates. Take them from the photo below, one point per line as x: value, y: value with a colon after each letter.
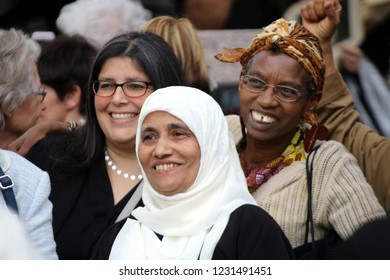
x: 53, y: 140
x: 29, y: 180
x: 16, y: 163
x: 234, y: 125
x: 253, y: 216
x: 256, y: 235
x: 333, y: 150
x: 48, y: 149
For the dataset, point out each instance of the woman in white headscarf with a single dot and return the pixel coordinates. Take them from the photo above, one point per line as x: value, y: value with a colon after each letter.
x: 195, y: 201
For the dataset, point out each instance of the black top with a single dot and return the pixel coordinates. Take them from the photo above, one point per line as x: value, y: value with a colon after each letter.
x: 251, y: 234
x: 83, y: 204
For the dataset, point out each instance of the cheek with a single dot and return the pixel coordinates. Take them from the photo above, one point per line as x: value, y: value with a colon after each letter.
x: 143, y: 154
x: 100, y: 104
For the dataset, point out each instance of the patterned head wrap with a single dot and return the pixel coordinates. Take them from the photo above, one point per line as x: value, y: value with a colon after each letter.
x: 291, y: 38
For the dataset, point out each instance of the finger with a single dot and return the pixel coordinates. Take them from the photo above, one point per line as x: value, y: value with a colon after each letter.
x: 332, y: 11
x: 318, y: 8
x: 308, y: 13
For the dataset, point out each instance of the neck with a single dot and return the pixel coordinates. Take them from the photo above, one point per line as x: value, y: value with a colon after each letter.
x: 260, y: 153
x: 123, y: 163
x: 73, y: 116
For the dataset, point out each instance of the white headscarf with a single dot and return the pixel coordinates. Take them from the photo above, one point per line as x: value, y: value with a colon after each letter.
x: 191, y: 222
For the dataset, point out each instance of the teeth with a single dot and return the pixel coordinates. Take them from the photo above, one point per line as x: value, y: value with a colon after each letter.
x: 262, y: 118
x: 166, y: 166
x: 123, y: 115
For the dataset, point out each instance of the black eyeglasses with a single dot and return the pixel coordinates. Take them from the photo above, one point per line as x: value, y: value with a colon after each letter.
x: 41, y: 93
x: 130, y: 89
x: 283, y: 93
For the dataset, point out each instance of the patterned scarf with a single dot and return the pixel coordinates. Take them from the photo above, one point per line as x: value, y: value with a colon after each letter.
x: 291, y: 38
x: 256, y: 176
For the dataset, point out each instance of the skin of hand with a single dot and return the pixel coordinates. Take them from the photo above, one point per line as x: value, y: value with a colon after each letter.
x: 322, y: 17
x: 350, y: 57
x: 28, y: 139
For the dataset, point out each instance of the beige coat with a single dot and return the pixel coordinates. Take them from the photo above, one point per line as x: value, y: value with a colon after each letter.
x: 372, y: 151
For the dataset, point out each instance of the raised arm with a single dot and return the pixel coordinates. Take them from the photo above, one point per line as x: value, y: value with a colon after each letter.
x: 336, y: 109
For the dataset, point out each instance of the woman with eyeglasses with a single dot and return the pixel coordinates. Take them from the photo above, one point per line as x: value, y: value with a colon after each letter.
x: 21, y: 92
x: 94, y: 170
x: 277, y: 134
x: 23, y: 187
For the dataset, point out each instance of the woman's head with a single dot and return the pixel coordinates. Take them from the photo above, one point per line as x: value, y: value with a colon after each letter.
x: 281, y: 80
x: 288, y: 37
x: 182, y: 36
x: 19, y: 80
x: 140, y: 56
x: 192, y: 173
x: 182, y: 140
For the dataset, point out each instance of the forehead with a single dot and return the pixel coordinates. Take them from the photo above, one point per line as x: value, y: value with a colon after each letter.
x: 275, y: 62
x: 121, y: 67
x: 161, y: 118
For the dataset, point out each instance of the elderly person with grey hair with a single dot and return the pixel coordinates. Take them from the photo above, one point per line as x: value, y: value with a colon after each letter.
x: 99, y: 20
x: 21, y: 92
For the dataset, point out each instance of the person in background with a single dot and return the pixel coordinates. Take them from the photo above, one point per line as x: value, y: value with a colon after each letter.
x: 370, y: 91
x: 94, y: 171
x: 21, y: 91
x: 337, y: 112
x: 281, y: 82
x: 64, y: 66
x: 230, y: 14
x: 30, y: 234
x: 182, y: 36
x: 195, y: 201
x: 98, y: 21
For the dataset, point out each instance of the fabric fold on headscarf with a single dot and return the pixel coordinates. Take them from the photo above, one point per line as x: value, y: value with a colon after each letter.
x: 192, y: 222
x: 291, y: 38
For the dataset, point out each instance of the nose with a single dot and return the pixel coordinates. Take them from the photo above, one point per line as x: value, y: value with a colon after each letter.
x: 119, y: 96
x: 162, y: 148
x: 267, y: 98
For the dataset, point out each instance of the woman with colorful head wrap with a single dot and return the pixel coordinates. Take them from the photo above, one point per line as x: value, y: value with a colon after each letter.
x: 280, y: 85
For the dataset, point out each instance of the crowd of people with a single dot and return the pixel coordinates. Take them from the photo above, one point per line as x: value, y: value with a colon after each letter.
x: 116, y: 148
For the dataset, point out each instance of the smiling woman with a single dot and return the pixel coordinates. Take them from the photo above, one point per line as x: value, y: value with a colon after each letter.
x: 195, y: 201
x: 94, y: 170
x: 169, y: 152
x: 280, y: 86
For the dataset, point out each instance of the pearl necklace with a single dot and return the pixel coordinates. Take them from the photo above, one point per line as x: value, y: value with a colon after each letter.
x: 118, y: 171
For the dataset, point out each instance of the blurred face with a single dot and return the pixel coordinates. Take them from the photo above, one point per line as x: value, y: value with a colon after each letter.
x: 169, y: 153
x: 29, y: 112
x: 118, y: 114
x: 267, y: 118
x: 55, y: 108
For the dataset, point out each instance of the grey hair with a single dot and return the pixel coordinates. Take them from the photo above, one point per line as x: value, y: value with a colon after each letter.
x: 17, y: 51
x: 99, y: 21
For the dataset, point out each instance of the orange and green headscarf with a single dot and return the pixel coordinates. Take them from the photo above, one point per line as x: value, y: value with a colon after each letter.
x: 291, y: 38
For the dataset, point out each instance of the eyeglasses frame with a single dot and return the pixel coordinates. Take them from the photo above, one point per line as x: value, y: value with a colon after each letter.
x: 121, y: 86
x: 300, y: 93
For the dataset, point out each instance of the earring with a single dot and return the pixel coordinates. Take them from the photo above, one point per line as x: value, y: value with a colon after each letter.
x: 313, y: 132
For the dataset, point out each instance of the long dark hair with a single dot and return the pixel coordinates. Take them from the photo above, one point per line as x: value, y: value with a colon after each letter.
x: 156, y: 59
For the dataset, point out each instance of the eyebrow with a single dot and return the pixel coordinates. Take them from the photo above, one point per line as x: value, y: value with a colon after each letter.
x: 171, y: 125
x: 259, y: 75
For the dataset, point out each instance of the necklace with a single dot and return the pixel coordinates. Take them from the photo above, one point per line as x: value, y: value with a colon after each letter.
x: 118, y: 171
x: 256, y: 176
